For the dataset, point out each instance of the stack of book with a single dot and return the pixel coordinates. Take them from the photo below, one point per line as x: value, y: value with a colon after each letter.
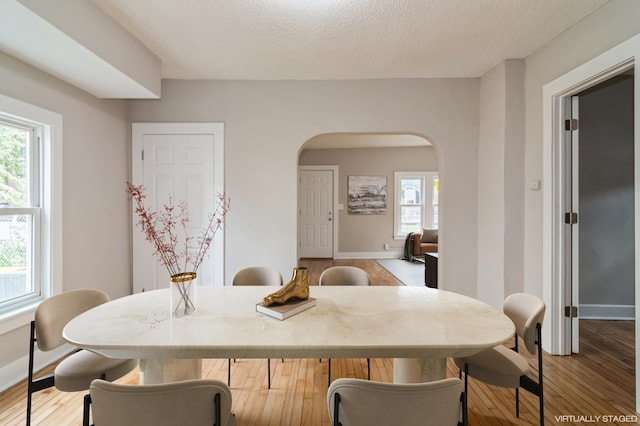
x: 286, y: 310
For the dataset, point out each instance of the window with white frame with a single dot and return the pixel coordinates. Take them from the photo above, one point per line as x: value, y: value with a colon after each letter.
x: 416, y: 202
x: 27, y: 183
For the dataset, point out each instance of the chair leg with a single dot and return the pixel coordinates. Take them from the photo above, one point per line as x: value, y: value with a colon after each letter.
x: 229, y: 374
x: 368, y: 369
x: 336, y: 410
x: 329, y: 372
x: 30, y: 374
x: 34, y: 386
x: 216, y: 410
x: 540, y: 377
x: 28, y: 408
x: 465, y: 404
x: 536, y: 388
x: 86, y: 410
x: 517, y: 402
x: 269, y: 373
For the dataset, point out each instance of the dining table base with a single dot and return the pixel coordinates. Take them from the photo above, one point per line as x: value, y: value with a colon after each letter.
x: 419, y: 370
x: 158, y: 370
x: 405, y: 370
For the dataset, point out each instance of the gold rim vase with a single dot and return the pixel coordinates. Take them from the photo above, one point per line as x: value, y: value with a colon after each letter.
x: 184, y: 294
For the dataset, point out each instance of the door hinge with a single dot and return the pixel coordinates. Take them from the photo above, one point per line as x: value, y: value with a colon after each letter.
x: 571, y: 124
x: 142, y: 154
x: 571, y: 218
x: 571, y: 311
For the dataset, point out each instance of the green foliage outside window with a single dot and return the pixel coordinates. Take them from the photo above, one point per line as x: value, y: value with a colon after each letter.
x: 13, y: 166
x: 13, y: 193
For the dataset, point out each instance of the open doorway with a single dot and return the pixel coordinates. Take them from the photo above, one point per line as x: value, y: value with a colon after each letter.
x: 603, y: 278
x: 345, y: 156
x: 557, y: 200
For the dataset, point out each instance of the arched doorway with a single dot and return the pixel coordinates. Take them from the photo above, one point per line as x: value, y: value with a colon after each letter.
x: 341, y: 156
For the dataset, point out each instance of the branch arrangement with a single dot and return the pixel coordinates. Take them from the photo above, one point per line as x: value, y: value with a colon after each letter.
x: 162, y: 229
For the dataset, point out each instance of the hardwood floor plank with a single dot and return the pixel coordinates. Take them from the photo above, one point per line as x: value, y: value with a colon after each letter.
x: 598, y: 381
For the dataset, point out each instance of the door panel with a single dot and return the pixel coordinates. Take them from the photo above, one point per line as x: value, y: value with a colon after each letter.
x: 316, y: 213
x: 172, y: 172
x: 182, y: 162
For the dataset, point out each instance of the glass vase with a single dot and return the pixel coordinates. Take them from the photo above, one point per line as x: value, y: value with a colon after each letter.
x: 184, y: 294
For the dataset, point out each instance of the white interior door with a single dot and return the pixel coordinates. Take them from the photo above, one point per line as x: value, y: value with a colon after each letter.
x: 183, y: 161
x: 316, y: 216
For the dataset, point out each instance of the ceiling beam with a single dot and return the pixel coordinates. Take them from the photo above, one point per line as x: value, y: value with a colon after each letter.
x: 75, y: 41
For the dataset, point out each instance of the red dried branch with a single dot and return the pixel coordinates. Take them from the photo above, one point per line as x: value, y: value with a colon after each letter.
x: 160, y: 230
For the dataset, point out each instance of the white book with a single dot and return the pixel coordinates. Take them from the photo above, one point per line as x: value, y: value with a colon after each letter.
x: 286, y: 310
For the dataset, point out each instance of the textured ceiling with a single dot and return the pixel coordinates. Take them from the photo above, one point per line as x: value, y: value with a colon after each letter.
x: 342, y: 39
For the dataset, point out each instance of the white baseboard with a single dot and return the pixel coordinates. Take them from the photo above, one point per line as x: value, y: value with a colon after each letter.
x: 607, y: 312
x: 391, y: 254
x: 17, y: 370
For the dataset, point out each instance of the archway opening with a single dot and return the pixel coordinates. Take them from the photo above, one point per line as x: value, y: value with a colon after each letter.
x: 374, y: 223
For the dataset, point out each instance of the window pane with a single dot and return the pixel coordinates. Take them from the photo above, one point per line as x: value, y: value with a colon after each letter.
x: 436, y: 191
x: 410, y: 219
x: 410, y: 191
x: 13, y: 166
x: 15, y: 253
x: 435, y: 217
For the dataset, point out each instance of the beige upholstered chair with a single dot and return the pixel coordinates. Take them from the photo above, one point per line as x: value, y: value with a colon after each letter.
x: 344, y: 275
x: 357, y: 402
x: 75, y: 372
x: 505, y: 367
x: 256, y: 275
x: 191, y: 402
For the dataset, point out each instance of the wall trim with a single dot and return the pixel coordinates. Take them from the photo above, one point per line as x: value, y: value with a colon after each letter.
x: 17, y: 371
x: 391, y: 254
x: 607, y: 312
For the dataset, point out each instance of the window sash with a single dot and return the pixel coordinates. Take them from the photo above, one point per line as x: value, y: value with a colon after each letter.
x: 23, y: 287
x: 424, y: 200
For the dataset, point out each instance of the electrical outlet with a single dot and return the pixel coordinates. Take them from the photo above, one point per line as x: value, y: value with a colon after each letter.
x: 386, y: 246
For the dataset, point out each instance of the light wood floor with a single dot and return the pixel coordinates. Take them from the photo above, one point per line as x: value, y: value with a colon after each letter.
x: 600, y: 381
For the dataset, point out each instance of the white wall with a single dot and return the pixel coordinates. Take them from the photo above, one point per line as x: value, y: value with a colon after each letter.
x: 266, y: 123
x: 515, y: 186
x: 491, y: 200
x: 95, y: 162
x: 501, y: 183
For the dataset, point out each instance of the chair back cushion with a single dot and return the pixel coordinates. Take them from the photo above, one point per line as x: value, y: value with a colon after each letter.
x: 55, y: 312
x: 364, y: 402
x: 258, y: 275
x: 189, y: 402
x: 344, y: 275
x: 526, y: 311
x: 429, y: 236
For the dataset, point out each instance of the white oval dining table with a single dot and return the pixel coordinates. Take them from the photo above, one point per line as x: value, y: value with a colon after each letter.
x: 419, y: 327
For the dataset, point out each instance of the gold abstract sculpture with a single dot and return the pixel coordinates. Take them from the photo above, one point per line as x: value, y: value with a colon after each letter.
x: 297, y: 288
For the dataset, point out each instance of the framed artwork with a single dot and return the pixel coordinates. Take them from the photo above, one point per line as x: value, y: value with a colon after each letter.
x: 367, y: 195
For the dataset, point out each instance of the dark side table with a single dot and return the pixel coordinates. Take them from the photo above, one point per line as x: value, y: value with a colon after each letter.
x: 431, y: 270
